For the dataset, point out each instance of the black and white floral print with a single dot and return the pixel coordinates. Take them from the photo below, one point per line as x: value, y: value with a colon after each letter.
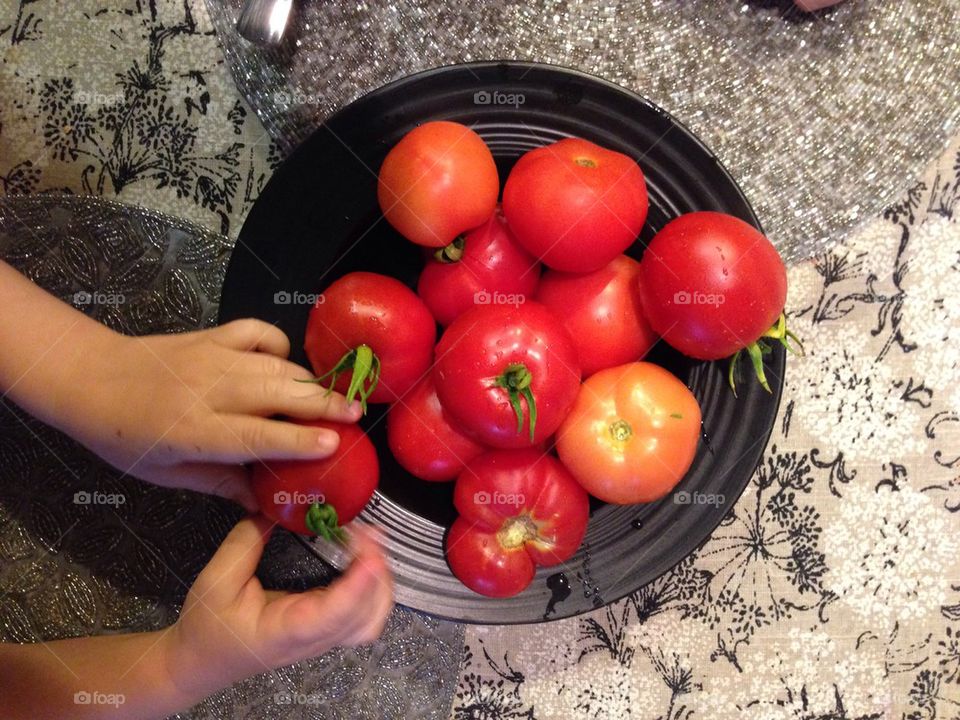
x: 151, y: 117
x: 830, y: 591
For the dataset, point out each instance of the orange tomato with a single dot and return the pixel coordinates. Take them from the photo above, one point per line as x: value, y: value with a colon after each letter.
x: 439, y: 181
x: 632, y: 433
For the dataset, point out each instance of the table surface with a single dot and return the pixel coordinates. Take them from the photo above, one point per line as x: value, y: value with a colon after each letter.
x: 832, y: 590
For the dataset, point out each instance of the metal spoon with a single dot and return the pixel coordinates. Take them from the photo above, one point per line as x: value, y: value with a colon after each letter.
x: 264, y: 21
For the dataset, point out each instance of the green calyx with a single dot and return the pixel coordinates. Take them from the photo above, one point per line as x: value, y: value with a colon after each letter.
x: 364, y: 365
x: 516, y: 381
x: 321, y: 519
x: 762, y: 346
x: 452, y: 252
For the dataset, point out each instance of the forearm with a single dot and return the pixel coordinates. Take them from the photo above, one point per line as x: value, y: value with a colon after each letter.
x: 42, y: 342
x: 118, y: 676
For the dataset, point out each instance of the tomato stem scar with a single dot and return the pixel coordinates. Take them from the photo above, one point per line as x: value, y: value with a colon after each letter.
x: 516, y: 531
x: 585, y: 162
x: 452, y: 252
x: 621, y: 430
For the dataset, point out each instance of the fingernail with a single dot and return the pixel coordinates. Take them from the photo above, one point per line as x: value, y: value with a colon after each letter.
x: 327, y: 440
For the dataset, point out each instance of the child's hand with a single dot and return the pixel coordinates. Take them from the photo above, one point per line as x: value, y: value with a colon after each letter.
x: 187, y: 410
x: 230, y: 628
x: 811, y: 5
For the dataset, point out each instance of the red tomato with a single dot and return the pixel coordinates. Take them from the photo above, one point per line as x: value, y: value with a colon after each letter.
x: 713, y: 285
x: 602, y: 312
x: 422, y: 439
x: 518, y: 509
x: 632, y: 433
x: 372, y: 334
x: 486, y: 265
x: 575, y: 205
x: 507, y: 375
x: 314, y: 496
x: 437, y: 182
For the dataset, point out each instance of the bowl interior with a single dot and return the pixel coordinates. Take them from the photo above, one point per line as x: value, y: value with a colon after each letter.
x: 318, y: 219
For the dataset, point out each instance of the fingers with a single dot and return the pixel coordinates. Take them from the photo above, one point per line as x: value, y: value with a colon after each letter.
x: 373, y: 563
x: 245, y: 438
x: 811, y: 5
x: 235, y: 561
x: 254, y: 335
x: 284, y: 396
x: 351, y: 610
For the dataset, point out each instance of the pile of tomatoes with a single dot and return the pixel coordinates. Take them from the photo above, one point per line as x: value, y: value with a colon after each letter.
x: 536, y: 395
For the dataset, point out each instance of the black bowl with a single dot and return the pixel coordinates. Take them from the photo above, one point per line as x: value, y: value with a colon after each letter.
x: 318, y: 219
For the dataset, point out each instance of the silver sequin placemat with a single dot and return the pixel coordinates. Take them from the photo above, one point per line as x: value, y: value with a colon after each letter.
x: 824, y: 119
x: 70, y: 569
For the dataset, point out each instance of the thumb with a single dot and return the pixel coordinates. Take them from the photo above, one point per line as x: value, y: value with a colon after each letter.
x: 235, y: 561
x: 335, y: 612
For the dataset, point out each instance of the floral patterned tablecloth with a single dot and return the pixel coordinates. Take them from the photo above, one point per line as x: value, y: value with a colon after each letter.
x: 832, y: 590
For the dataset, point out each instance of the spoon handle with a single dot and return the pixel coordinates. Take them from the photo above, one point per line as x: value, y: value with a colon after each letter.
x: 264, y: 21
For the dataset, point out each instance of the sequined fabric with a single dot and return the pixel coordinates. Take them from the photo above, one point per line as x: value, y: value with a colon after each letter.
x: 823, y: 118
x: 69, y: 568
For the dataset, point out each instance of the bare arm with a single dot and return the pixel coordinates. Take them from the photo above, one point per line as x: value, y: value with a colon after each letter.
x: 229, y: 629
x: 107, y: 676
x: 183, y: 410
x: 40, y: 337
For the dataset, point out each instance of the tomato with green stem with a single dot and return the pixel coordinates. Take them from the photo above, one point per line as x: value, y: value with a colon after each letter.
x: 518, y: 509
x: 370, y: 336
x: 714, y: 287
x: 632, y: 433
x: 485, y: 265
x: 439, y: 181
x: 316, y: 497
x: 507, y: 375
